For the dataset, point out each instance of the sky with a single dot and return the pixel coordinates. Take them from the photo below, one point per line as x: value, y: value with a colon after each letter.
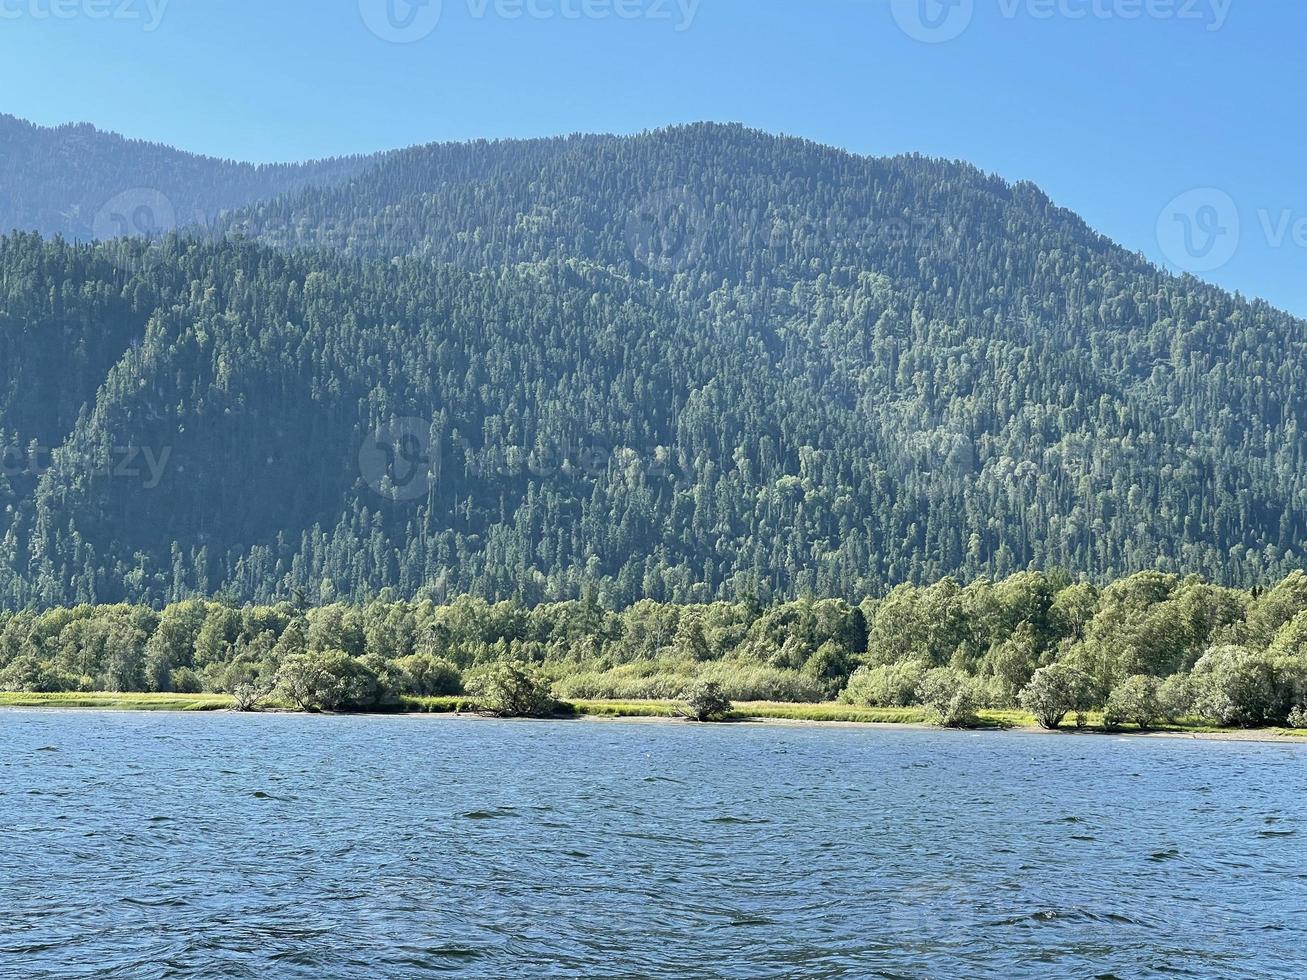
x: 1176, y: 127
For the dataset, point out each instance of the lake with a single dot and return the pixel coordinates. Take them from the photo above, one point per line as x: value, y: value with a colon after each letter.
x: 281, y: 845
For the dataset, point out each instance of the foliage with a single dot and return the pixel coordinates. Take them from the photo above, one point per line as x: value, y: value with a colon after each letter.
x: 706, y: 701
x: 423, y: 675
x: 950, y: 696
x: 332, y: 680
x: 804, y: 401
x: 1235, y: 686
x: 1135, y: 701
x: 1054, y: 692
x: 887, y: 686
x: 514, y: 690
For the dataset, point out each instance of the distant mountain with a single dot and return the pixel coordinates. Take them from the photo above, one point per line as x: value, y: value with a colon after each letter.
x: 699, y: 361
x: 84, y: 184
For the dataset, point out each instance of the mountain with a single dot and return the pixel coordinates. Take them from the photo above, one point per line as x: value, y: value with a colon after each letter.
x: 82, y: 183
x: 696, y: 362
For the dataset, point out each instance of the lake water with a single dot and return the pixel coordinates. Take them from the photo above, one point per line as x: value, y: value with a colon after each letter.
x: 165, y: 844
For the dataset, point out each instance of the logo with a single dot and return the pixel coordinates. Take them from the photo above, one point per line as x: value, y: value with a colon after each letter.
x: 397, y: 460
x: 401, y: 21
x: 1199, y: 231
x: 141, y: 212
x: 933, y: 21
x: 668, y: 231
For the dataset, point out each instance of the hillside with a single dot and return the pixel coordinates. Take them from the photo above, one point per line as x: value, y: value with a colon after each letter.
x: 83, y: 183
x: 699, y: 362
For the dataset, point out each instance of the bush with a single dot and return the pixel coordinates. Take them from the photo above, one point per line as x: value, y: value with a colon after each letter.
x: 1298, y: 718
x: 1054, y: 692
x: 28, y: 675
x: 1175, y: 697
x: 950, y: 696
x: 1234, y: 687
x: 514, y: 690
x: 423, y: 675
x: 332, y: 680
x: 705, y: 701
x: 183, y: 680
x: 1134, y: 701
x: 888, y: 686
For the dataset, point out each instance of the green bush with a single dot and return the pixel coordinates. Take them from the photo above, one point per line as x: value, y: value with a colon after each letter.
x: 950, y: 696
x: 1235, y: 687
x: 887, y: 686
x: 1134, y: 701
x: 1054, y: 692
x: 332, y: 680
x: 424, y: 675
x: 1175, y: 697
x: 28, y: 675
x: 705, y: 701
x: 514, y: 690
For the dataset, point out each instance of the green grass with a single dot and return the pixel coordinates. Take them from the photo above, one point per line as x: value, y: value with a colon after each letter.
x: 121, y: 702
x: 744, y: 711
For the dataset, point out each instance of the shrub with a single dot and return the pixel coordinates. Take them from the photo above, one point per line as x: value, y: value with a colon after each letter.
x: 1134, y: 701
x: 183, y: 680
x: 1054, y: 692
x: 1298, y: 717
x: 29, y: 675
x: 331, y: 680
x: 950, y: 696
x: 1234, y: 687
x: 705, y: 701
x: 1175, y: 697
x: 514, y: 690
x: 888, y: 686
x: 423, y: 675
x: 829, y: 667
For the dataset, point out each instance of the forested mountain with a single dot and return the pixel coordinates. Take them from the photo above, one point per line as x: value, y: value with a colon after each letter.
x: 82, y: 183
x: 704, y: 362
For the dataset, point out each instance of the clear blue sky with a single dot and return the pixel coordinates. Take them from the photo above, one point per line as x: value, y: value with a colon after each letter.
x: 1115, y: 107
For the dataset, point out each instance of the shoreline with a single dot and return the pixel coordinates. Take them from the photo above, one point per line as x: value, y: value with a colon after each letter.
x: 761, y: 713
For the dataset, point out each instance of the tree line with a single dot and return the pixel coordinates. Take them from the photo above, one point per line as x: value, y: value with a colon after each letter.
x: 1147, y: 647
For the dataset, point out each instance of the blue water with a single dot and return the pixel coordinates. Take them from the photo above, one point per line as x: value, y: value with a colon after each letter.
x: 221, y: 845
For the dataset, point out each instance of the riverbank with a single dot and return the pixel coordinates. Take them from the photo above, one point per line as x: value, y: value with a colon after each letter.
x: 750, y: 712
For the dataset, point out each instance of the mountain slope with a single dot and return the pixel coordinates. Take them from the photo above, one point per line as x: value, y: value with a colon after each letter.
x: 83, y: 183
x: 696, y: 362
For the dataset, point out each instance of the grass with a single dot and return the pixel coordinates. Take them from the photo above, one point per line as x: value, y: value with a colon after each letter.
x: 121, y: 702
x: 744, y: 711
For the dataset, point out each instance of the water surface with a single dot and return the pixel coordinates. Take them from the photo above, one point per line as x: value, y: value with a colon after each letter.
x: 252, y: 846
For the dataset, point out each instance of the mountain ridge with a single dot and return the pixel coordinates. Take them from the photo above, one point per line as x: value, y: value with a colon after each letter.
x: 693, y: 363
